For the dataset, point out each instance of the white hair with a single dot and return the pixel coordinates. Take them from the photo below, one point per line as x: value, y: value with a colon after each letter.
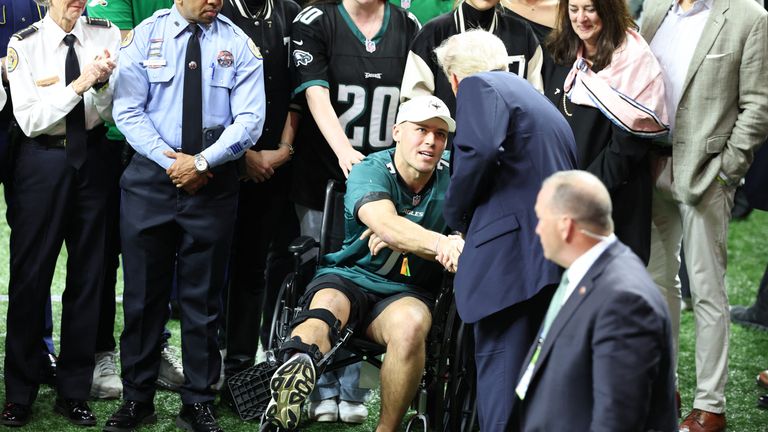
x: 472, y: 52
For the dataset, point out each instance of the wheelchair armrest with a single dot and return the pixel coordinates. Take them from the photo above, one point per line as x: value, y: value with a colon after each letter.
x: 301, y: 245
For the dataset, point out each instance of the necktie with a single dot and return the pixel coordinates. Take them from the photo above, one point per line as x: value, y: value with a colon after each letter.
x: 77, y: 141
x: 192, y: 109
x: 554, y: 305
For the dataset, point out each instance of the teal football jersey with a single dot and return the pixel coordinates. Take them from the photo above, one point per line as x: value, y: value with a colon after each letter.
x: 374, y: 179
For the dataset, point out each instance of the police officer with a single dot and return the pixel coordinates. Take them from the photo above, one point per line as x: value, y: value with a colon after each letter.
x: 19, y: 14
x: 58, y: 71
x: 190, y: 101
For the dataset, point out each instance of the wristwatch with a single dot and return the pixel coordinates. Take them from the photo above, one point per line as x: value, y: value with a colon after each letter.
x: 201, y: 165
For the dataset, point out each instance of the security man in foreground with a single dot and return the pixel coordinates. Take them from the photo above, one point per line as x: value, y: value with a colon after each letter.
x: 190, y: 101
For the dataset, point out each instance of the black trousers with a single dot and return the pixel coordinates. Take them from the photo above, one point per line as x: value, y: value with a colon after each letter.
x: 157, y: 222
x: 105, y: 339
x: 266, y: 224
x: 55, y: 204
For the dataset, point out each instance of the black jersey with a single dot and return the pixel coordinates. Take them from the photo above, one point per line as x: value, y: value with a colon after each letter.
x: 363, y: 78
x: 423, y: 75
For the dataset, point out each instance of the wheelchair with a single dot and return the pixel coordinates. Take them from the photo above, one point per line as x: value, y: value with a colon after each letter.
x: 445, y: 399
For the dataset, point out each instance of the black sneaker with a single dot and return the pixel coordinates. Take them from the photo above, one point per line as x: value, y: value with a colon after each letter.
x: 749, y: 317
x: 198, y: 417
x: 131, y: 415
x: 290, y: 385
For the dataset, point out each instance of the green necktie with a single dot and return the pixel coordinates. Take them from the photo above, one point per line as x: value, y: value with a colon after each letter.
x: 554, y: 305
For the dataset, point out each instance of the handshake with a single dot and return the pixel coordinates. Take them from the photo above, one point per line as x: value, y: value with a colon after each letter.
x: 448, y: 249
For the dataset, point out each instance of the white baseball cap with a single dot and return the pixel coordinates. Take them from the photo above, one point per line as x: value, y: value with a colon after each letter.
x: 423, y: 108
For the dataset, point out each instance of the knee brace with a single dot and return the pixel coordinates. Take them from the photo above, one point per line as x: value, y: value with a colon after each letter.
x: 323, y: 315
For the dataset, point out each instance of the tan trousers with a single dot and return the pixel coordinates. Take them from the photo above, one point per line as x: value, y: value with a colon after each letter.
x: 703, y: 230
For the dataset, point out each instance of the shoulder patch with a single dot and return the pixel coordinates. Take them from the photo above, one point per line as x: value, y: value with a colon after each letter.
x: 100, y: 22
x: 22, y: 34
x: 12, y: 61
x: 254, y: 49
x: 127, y: 39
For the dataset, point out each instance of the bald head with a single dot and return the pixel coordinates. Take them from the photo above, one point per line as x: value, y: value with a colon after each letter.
x: 574, y: 211
x: 583, y: 197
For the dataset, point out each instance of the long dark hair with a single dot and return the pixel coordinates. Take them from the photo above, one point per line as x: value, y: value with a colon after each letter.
x: 563, y: 43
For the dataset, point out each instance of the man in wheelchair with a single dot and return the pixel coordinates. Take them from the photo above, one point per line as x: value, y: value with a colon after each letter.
x: 381, y: 282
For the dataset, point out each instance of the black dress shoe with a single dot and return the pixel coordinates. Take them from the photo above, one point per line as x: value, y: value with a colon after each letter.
x: 16, y: 414
x: 48, y: 374
x: 198, y: 417
x: 76, y: 411
x: 130, y: 416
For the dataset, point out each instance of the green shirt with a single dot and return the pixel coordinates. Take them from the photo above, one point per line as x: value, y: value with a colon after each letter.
x: 425, y: 10
x: 125, y: 14
x: 374, y: 179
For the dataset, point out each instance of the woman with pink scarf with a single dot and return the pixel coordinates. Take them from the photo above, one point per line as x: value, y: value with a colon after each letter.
x: 609, y: 87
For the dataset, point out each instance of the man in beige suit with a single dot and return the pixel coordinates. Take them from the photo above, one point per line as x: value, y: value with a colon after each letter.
x: 714, y: 57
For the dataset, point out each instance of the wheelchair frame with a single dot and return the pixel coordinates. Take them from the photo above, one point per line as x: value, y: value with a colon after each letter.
x: 445, y: 400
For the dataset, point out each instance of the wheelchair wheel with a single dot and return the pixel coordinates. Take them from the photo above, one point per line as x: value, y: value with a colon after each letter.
x: 461, y: 398
x: 281, y: 318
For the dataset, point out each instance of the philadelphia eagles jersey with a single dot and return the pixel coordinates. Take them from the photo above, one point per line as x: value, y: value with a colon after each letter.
x: 374, y: 179
x: 423, y: 75
x: 363, y: 78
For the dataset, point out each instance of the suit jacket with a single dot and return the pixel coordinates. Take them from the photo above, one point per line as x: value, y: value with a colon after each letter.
x: 509, y: 138
x: 722, y: 115
x: 607, y: 361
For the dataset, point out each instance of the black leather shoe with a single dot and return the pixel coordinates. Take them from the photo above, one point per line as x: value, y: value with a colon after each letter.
x: 198, y: 417
x: 16, y: 414
x: 76, y: 411
x: 131, y: 415
x: 762, y: 401
x: 48, y: 374
x: 749, y: 317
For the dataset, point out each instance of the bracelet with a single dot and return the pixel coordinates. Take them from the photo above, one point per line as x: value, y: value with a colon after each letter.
x: 285, y: 144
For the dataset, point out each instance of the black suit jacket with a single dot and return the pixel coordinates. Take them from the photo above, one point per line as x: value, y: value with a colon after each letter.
x: 607, y: 361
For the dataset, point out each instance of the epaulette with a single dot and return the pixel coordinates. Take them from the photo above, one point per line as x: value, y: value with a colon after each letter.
x: 23, y: 34
x: 101, y: 22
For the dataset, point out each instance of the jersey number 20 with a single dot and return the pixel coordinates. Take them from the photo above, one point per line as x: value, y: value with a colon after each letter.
x: 383, y: 110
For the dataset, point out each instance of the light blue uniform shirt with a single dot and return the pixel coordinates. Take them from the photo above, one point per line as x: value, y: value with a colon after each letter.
x: 150, y: 86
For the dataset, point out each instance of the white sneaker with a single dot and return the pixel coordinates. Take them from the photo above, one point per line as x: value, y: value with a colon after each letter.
x: 106, y: 380
x: 327, y: 410
x: 220, y: 383
x: 352, y: 412
x: 291, y: 385
x: 171, y: 376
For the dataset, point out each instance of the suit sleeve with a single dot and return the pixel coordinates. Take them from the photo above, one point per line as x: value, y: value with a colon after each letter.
x: 627, y: 347
x: 620, y: 159
x: 481, y: 129
x: 751, y: 125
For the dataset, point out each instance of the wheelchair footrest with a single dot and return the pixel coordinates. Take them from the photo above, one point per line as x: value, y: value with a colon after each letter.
x: 250, y: 390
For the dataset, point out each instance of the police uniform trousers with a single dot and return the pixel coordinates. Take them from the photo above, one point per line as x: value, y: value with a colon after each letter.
x: 502, y: 341
x: 157, y: 222
x: 266, y: 224
x: 55, y: 203
x: 105, y: 339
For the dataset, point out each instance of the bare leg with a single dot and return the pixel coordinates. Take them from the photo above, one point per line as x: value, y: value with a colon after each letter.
x: 403, y: 327
x: 315, y: 331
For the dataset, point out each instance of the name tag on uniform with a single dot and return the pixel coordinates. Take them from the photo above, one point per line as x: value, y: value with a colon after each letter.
x: 154, y: 63
x: 45, y: 82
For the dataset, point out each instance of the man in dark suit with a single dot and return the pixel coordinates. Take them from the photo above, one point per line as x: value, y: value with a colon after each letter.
x: 509, y: 139
x: 604, y: 356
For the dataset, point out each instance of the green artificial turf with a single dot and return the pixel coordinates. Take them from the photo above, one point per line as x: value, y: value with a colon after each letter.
x: 748, y: 255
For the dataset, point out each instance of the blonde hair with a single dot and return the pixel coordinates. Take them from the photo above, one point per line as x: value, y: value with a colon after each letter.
x: 472, y: 52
